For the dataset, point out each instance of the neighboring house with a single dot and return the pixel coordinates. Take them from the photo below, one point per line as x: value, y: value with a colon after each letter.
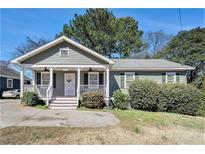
x: 9, y: 79
x: 63, y: 69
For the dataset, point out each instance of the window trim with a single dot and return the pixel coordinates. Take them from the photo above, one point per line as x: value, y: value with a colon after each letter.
x: 89, y: 85
x: 12, y: 82
x: 42, y: 78
x: 125, y: 77
x: 171, y: 73
x: 68, y: 51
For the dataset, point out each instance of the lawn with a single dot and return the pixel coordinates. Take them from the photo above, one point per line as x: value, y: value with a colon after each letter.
x: 135, y: 127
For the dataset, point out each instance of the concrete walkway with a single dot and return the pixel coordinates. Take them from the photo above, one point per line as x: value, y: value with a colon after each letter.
x: 15, y: 114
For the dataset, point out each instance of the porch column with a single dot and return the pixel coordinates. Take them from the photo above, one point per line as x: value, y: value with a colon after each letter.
x: 107, y: 86
x: 51, y: 79
x: 33, y: 77
x: 33, y: 81
x: 50, y: 87
x: 21, y: 82
x: 78, y: 85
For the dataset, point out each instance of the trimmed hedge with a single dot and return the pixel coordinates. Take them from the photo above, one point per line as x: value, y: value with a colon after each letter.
x: 30, y: 98
x: 180, y: 98
x: 93, y: 100
x: 144, y: 95
x: 201, y: 110
x: 120, y: 100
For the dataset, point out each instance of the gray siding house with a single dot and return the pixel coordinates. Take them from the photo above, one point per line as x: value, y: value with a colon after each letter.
x: 63, y: 69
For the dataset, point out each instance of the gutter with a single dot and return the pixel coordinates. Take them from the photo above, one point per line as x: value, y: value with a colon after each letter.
x: 152, y: 69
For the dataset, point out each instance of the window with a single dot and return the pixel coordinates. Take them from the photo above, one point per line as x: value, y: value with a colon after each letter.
x: 9, y: 83
x: 129, y: 77
x: 64, y: 51
x: 45, y: 78
x: 93, y: 79
x: 170, y: 77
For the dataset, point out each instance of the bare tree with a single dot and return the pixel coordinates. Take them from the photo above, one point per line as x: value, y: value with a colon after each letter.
x: 156, y: 41
x: 28, y: 45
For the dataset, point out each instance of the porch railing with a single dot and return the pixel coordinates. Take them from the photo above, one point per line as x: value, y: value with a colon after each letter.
x: 41, y: 90
x: 93, y: 88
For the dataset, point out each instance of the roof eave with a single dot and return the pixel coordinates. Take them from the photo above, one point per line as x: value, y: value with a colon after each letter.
x: 153, y: 69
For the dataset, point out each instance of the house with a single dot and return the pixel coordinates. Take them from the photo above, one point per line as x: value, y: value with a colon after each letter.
x: 63, y: 69
x: 9, y: 79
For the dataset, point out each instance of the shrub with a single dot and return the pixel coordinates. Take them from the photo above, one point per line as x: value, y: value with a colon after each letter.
x: 199, y: 82
x: 180, y: 98
x: 201, y: 110
x: 30, y: 98
x: 120, y: 100
x: 144, y: 95
x: 93, y: 100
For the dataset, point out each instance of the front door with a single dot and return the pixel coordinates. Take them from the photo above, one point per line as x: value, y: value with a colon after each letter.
x: 69, y: 84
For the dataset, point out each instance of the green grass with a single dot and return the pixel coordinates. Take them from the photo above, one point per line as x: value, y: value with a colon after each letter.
x: 159, y: 118
x: 42, y: 107
x: 144, y: 118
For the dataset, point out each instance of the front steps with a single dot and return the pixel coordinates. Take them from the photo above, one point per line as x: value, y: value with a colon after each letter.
x: 64, y: 103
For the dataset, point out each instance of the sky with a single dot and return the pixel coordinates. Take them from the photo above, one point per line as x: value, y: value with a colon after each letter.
x: 16, y: 24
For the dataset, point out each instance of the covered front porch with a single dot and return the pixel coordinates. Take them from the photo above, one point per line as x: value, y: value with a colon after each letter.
x: 51, y: 82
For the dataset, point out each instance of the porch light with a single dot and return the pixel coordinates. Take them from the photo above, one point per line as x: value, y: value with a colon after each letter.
x: 46, y: 69
x: 90, y: 70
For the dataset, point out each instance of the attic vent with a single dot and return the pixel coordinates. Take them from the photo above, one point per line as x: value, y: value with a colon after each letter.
x: 64, y: 52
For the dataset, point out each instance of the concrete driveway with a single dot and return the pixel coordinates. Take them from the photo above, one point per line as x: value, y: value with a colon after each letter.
x: 15, y: 114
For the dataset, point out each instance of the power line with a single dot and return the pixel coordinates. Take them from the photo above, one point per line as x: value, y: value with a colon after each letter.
x: 180, y: 18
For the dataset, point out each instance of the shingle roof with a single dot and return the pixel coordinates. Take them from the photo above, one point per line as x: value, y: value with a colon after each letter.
x: 148, y: 64
x: 8, y: 72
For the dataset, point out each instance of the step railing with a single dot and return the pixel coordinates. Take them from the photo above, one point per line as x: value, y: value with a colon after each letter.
x: 49, y: 93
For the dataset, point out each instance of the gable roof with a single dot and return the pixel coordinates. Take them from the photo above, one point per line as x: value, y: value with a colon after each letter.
x: 57, y: 41
x: 148, y: 64
x: 8, y: 72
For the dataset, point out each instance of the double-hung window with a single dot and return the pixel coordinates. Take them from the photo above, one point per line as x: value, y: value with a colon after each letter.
x: 171, y: 77
x: 45, y: 78
x: 93, y: 79
x: 9, y: 83
x: 129, y: 77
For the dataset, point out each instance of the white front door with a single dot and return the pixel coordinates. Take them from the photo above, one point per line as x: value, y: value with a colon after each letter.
x: 69, y: 84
